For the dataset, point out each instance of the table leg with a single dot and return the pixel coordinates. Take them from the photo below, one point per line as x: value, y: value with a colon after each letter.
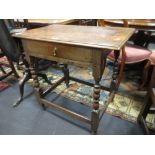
x: 114, y: 83
x: 99, y: 61
x: 66, y: 74
x: 26, y: 77
x: 95, y: 111
x: 35, y: 81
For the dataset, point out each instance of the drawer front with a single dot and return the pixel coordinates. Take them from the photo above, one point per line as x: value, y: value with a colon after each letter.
x: 54, y: 51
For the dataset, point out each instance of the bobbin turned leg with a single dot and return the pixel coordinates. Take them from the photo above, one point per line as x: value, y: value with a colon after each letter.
x: 114, y: 83
x: 99, y: 61
x: 95, y: 111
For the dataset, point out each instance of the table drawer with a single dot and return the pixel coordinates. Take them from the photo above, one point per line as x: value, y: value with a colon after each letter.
x: 55, y: 51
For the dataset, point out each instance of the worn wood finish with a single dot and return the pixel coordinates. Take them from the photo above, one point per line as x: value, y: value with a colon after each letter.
x: 98, y: 65
x: 81, y: 45
x: 85, y: 36
x: 55, y: 52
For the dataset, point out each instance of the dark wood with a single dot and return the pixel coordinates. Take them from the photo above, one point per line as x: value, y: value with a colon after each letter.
x: 80, y: 45
x: 52, y: 87
x: 150, y: 100
x: 87, y: 83
x: 121, y: 67
x: 35, y: 80
x: 115, y: 72
x: 66, y: 111
x: 20, y: 23
x: 27, y: 76
x: 99, y: 61
x: 36, y: 23
x: 66, y: 74
x: 85, y: 36
x: 140, y: 24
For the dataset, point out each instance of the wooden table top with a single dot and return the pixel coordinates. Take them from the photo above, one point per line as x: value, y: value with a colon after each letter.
x: 88, y: 36
x: 49, y: 21
x: 135, y: 23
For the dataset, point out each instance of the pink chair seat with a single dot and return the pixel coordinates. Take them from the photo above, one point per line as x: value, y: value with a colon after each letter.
x: 152, y: 58
x: 134, y: 54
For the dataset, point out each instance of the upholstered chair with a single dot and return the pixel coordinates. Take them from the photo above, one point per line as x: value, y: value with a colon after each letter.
x: 130, y: 54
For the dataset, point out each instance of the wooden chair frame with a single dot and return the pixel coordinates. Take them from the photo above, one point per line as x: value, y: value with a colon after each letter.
x: 122, y: 62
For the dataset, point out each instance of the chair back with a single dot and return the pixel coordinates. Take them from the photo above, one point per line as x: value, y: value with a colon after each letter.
x: 7, y: 43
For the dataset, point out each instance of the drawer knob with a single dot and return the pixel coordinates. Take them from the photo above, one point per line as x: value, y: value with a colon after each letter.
x: 55, y: 51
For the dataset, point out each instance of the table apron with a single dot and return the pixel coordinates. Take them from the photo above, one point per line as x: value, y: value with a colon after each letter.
x: 63, y: 53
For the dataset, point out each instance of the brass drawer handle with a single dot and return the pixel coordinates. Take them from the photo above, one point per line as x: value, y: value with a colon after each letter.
x: 55, y: 51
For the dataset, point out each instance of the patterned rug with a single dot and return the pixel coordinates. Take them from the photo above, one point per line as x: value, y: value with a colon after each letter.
x: 127, y: 103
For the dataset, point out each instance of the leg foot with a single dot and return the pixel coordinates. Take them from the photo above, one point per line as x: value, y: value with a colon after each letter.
x: 17, y: 102
x: 26, y: 77
x: 94, y: 121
